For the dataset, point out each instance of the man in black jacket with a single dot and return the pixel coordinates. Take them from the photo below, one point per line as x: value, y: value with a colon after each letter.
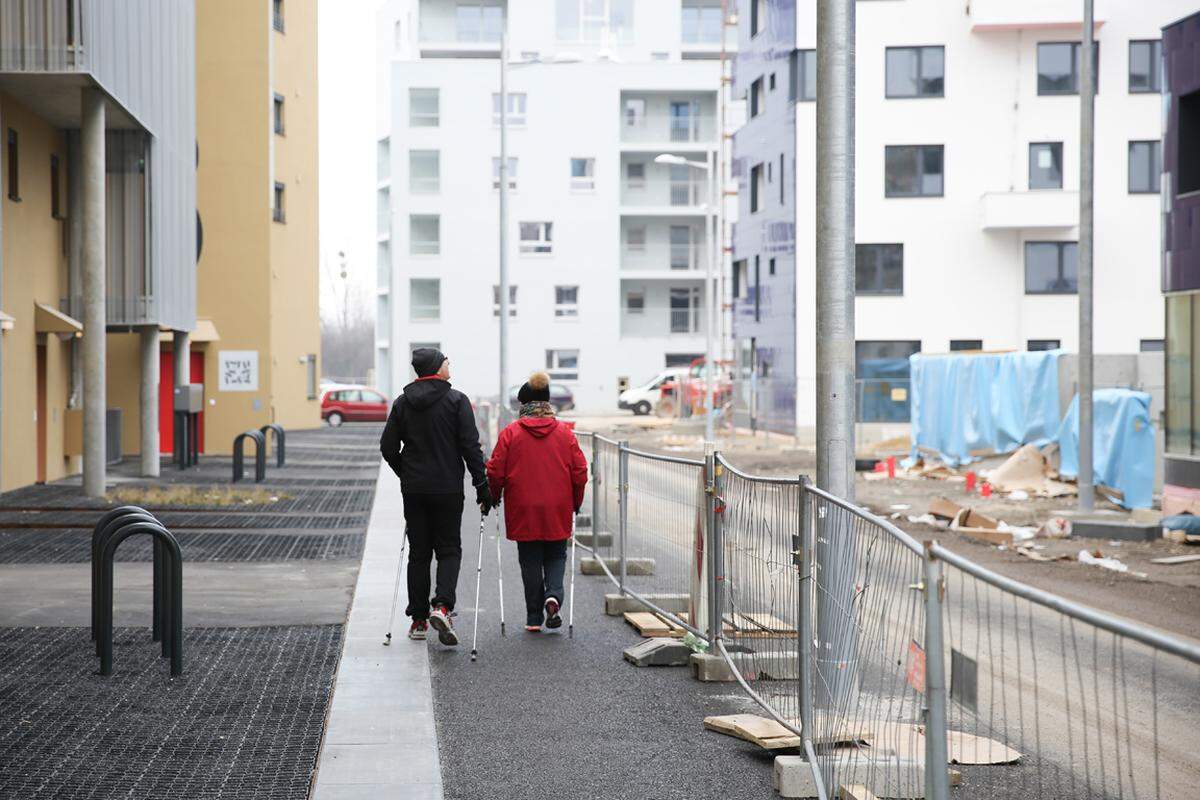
x: 430, y: 432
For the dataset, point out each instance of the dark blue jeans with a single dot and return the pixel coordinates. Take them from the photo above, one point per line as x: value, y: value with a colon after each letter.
x: 542, y: 568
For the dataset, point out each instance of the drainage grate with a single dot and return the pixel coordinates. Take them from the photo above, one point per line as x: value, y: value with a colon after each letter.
x: 244, y: 721
x: 73, y: 547
x: 177, y: 520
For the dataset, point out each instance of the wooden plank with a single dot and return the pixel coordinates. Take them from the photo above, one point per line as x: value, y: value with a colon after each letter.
x: 966, y: 748
x: 766, y: 733
x: 650, y: 625
x: 856, y: 791
x: 1175, y: 559
x: 756, y: 624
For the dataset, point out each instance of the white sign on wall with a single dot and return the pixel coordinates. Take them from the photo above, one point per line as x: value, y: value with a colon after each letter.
x: 237, y: 370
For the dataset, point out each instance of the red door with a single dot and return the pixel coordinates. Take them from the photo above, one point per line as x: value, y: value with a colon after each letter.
x: 166, y: 397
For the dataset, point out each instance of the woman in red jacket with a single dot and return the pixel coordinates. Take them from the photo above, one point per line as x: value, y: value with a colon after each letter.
x: 539, y: 469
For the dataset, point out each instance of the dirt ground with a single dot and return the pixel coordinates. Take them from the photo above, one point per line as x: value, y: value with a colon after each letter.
x: 1164, y: 596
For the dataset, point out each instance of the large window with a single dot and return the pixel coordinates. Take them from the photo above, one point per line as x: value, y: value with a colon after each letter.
x: 913, y: 170
x: 1145, y: 66
x: 566, y: 302
x: 635, y: 238
x: 478, y: 20
x: 882, y: 376
x: 512, y: 301
x: 1051, y: 267
x: 1188, y: 158
x: 602, y: 22
x: 685, y: 309
x: 536, y: 237
x: 424, y: 108
x: 424, y: 234
x: 802, y: 76
x: 683, y: 249
x: 916, y: 72
x: 1183, y: 374
x: 701, y: 22
x: 1058, y: 67
x: 635, y: 301
x: 516, y: 108
x: 635, y: 175
x: 563, y: 365
x: 879, y: 269
x: 1145, y: 167
x: 1045, y: 165
x: 424, y: 299
x: 424, y: 171
x: 512, y: 173
x: 583, y: 174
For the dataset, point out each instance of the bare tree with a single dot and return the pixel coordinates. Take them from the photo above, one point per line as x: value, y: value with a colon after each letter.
x: 347, y: 328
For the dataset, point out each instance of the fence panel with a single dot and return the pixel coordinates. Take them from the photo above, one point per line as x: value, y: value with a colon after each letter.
x: 605, y: 484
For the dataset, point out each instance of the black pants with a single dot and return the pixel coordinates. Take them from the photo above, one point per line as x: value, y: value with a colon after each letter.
x: 542, y: 568
x: 434, y: 524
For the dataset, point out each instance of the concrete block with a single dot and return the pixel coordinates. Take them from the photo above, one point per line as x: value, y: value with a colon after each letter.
x: 616, y: 605
x: 753, y: 666
x: 599, y: 539
x: 792, y: 776
x: 903, y: 779
x: 589, y: 565
x: 658, y: 652
x: 710, y: 668
x: 583, y: 521
x: 1101, y: 527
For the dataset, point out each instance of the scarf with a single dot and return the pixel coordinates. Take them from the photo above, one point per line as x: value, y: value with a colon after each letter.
x: 537, y: 408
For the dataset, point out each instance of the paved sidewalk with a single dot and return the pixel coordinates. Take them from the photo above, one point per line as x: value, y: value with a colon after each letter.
x: 380, y: 740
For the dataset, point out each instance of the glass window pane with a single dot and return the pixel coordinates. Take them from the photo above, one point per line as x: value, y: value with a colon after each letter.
x: 1051, y: 267
x: 931, y: 170
x: 567, y: 20
x: 423, y: 108
x: 809, y: 66
x: 933, y: 71
x: 1144, y: 167
x: 1181, y: 391
x: 901, y: 72
x: 1056, y: 68
x: 1045, y: 165
x: 900, y: 171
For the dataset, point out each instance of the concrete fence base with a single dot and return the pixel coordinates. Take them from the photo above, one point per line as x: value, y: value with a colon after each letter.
x: 589, y: 565
x: 615, y: 605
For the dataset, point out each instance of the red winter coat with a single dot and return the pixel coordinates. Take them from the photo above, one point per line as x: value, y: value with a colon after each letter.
x: 538, y: 467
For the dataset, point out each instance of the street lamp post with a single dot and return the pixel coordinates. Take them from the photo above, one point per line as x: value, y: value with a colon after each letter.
x: 502, y: 413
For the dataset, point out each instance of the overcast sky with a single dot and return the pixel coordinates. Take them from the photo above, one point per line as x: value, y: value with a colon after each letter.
x: 346, y: 97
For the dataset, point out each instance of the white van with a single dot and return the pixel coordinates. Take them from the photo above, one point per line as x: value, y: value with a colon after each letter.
x: 642, y: 399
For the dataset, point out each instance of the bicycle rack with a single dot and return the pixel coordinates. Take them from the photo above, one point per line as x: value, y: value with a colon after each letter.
x: 260, y: 456
x: 280, y: 439
x: 115, y: 527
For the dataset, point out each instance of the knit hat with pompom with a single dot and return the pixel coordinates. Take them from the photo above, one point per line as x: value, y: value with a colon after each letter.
x: 535, y: 389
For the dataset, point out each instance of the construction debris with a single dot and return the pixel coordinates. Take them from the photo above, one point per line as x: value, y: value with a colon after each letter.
x: 1175, y: 560
x: 1100, y: 560
x: 766, y: 733
x: 1028, y: 472
x: 1030, y: 552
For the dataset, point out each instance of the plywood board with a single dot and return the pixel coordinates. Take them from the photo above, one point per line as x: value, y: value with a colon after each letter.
x: 651, y: 625
x: 766, y: 733
x: 757, y: 624
x: 856, y: 792
x: 966, y: 748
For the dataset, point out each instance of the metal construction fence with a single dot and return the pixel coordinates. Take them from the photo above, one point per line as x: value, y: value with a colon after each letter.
x: 892, y: 660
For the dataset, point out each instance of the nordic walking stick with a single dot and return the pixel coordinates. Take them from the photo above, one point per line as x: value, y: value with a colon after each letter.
x: 571, y: 599
x: 396, y: 591
x: 478, y: 573
x: 500, y: 573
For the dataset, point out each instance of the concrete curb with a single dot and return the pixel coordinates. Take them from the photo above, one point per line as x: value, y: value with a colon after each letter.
x: 633, y: 566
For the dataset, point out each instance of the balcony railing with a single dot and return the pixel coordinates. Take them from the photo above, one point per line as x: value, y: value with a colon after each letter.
x: 663, y: 192
x: 656, y: 322
x: 41, y: 37
x: 469, y: 24
x: 682, y: 258
x: 661, y: 128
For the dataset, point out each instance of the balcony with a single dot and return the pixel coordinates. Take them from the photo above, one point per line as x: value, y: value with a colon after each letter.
x: 658, y: 311
x: 669, y: 248
x: 451, y: 29
x: 701, y: 29
x: 1030, y: 210
x: 668, y: 130
x: 650, y: 188
x: 1015, y: 15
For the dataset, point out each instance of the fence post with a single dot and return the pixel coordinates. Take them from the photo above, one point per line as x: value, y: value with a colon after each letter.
x: 596, y: 495
x: 623, y: 502
x: 715, y: 573
x: 937, y: 782
x: 804, y: 612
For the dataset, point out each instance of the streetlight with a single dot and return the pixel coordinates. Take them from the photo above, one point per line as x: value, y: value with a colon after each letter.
x: 710, y: 294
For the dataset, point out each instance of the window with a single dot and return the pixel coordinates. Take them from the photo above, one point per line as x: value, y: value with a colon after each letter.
x: 512, y: 301
x: 424, y: 234
x: 478, y: 21
x: 512, y: 173
x: 583, y: 174
x: 685, y: 189
x: 383, y: 264
x: 383, y: 159
x: 682, y: 248
x: 563, y: 365
x: 14, y: 178
x: 1188, y: 158
x: 913, y: 170
x: 277, y: 113
x: 1145, y: 66
x: 276, y: 14
x: 1039, y: 345
x: 277, y: 212
x: 424, y: 171
x: 635, y: 112
x: 915, y: 72
x: 740, y: 279
x: 602, y: 22
x: 516, y: 108
x: 659, y: 55
x: 536, y: 237
x: 56, y: 209
x: 397, y: 34
x: 685, y: 309
x: 701, y: 22
x: 771, y: 267
x: 1058, y: 67
x: 383, y: 211
x: 757, y: 98
x: 424, y: 108
x: 566, y: 302
x: 1145, y: 167
x: 635, y: 238
x: 757, y: 188
x: 757, y: 288
x: 1151, y: 345
x: 879, y: 269
x: 772, y: 82
x: 635, y: 175
x: 802, y: 76
x: 782, y: 182
x: 424, y: 299
x: 310, y: 375
x: 1045, y: 165
x: 635, y: 302
x: 959, y: 345
x: 685, y: 121
x: 1051, y: 267
x: 758, y: 16
x: 881, y: 370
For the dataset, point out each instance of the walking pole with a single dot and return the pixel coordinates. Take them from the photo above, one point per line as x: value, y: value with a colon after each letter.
x: 571, y: 591
x: 478, y: 574
x: 500, y: 573
x: 396, y: 591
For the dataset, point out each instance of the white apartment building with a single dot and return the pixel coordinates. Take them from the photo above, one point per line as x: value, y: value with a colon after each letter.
x: 607, y: 246
x: 967, y: 203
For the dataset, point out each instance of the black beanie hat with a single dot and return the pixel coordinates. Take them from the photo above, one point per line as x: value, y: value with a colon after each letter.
x: 535, y: 389
x: 427, y: 361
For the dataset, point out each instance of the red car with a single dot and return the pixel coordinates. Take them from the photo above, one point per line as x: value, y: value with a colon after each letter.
x: 353, y: 404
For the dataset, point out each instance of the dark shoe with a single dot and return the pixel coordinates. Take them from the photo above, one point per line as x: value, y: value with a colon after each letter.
x: 440, y: 620
x: 553, y: 620
x: 417, y: 630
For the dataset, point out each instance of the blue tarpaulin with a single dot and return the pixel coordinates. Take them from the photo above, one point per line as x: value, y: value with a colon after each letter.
x: 967, y: 405
x: 1122, y: 444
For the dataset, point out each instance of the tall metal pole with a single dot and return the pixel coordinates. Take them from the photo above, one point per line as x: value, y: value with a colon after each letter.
x: 1087, y: 129
x: 94, y: 294
x: 504, y: 410
x: 709, y: 303
x: 835, y: 341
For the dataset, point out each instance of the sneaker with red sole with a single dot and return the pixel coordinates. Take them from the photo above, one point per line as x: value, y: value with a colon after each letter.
x: 552, y: 607
x: 439, y: 618
x: 417, y: 630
